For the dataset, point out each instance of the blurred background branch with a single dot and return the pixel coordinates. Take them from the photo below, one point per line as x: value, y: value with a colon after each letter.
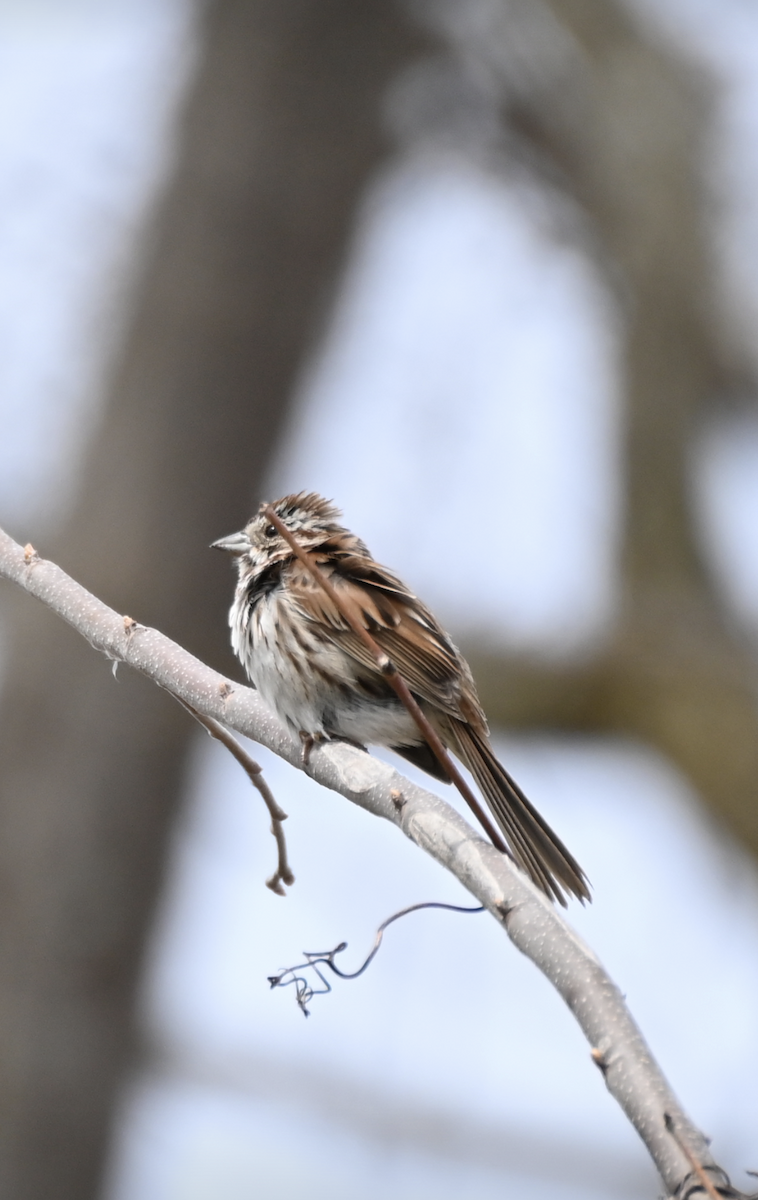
x: 620, y: 125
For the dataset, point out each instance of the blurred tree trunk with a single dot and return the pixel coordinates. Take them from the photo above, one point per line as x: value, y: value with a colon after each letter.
x: 279, y: 136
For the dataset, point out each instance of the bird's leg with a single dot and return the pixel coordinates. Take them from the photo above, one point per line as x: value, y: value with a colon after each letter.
x: 309, y: 741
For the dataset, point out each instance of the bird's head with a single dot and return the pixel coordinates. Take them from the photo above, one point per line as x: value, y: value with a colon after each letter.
x: 312, y: 519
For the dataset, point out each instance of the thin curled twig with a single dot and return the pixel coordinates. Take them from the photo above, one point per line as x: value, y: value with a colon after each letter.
x: 394, y: 679
x: 313, y: 959
x: 283, y: 873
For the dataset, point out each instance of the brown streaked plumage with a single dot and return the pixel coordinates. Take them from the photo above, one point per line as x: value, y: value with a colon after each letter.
x: 312, y: 669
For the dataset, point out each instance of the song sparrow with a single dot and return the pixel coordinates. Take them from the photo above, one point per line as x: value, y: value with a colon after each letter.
x: 312, y: 669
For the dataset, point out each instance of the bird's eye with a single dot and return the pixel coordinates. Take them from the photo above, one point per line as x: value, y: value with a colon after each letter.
x: 270, y: 531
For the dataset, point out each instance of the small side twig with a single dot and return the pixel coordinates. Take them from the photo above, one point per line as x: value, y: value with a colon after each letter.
x: 395, y: 680
x: 283, y: 873
x: 314, y: 959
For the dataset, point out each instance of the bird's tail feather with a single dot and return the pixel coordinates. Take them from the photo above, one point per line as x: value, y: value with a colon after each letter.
x: 537, y: 850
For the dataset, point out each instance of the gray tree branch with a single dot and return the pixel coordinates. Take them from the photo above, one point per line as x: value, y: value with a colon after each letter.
x: 530, y: 921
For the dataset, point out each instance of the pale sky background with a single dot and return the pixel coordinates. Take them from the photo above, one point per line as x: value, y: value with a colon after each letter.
x: 460, y: 306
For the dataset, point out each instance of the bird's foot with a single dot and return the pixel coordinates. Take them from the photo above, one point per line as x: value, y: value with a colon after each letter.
x: 310, y: 740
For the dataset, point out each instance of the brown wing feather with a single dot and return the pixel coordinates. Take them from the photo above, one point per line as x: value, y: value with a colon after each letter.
x: 401, y: 626
x: 538, y: 850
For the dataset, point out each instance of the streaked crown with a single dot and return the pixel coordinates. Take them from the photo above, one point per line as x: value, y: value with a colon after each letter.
x: 309, y: 516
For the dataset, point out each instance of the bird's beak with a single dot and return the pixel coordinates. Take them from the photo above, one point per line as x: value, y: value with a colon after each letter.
x: 235, y: 543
